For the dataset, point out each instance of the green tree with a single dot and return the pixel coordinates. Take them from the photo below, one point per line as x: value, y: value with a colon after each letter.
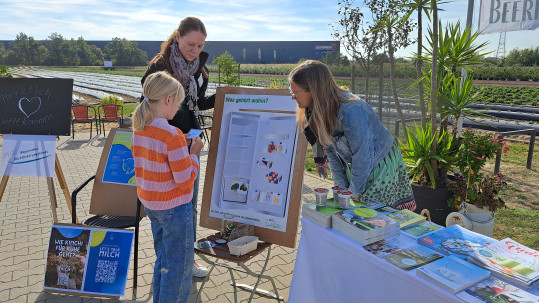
x: 125, y: 53
x: 2, y: 53
x: 86, y: 54
x: 390, y: 18
x: 23, y: 50
x: 98, y: 54
x: 54, y: 44
x: 357, y: 36
x: 525, y: 57
x: 228, y: 67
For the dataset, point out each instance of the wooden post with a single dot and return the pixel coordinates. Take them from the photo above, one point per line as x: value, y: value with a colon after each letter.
x: 3, y: 185
x: 52, y: 193
x: 52, y: 197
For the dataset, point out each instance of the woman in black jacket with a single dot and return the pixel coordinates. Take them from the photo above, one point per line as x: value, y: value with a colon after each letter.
x: 182, y: 56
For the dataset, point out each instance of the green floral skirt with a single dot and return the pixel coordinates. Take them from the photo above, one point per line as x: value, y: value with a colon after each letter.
x: 389, y: 183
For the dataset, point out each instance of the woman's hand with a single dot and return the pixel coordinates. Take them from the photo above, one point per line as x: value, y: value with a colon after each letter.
x: 186, y: 136
x: 356, y: 198
x: 196, y: 146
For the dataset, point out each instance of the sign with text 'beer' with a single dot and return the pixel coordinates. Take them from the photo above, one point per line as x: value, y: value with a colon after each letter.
x: 510, y: 15
x: 35, y: 106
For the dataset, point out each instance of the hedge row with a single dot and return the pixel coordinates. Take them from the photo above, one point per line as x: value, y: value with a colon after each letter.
x: 406, y: 71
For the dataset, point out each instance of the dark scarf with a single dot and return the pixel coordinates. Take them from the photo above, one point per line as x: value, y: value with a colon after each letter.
x: 184, y: 72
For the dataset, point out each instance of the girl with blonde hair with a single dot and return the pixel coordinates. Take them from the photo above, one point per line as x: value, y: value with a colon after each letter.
x: 361, y: 152
x: 183, y: 57
x: 166, y: 170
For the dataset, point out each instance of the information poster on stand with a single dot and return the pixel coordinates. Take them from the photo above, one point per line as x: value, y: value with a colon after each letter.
x: 256, y: 170
x: 120, y: 167
x: 88, y: 260
x: 28, y: 155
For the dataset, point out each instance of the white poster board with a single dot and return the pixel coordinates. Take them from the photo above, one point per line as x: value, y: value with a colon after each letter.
x: 28, y: 155
x: 255, y: 160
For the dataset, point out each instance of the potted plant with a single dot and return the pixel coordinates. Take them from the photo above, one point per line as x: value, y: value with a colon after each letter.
x: 471, y: 186
x: 430, y: 150
x: 418, y: 156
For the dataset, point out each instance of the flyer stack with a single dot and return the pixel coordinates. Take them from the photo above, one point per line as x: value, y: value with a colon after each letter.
x: 510, y: 260
x: 364, y: 225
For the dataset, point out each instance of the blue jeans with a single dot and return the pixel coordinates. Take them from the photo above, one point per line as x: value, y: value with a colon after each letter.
x: 172, y: 231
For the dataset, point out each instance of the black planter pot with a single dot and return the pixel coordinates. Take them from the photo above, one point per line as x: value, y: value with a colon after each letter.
x: 433, y: 199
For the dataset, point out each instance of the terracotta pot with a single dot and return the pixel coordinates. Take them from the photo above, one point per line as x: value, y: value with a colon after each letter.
x: 433, y: 199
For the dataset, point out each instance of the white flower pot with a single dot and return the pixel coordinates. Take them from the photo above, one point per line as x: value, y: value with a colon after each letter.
x: 479, y: 220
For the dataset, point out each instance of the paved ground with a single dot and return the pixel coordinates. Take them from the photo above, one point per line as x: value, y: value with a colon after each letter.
x: 26, y: 218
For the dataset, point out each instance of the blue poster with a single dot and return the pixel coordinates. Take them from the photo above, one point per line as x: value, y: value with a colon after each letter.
x: 108, y: 262
x: 88, y: 260
x: 120, y: 166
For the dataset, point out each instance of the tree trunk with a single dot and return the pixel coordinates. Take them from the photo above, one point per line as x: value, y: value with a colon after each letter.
x: 433, y: 85
x: 392, y: 78
x: 419, y: 66
x: 380, y: 85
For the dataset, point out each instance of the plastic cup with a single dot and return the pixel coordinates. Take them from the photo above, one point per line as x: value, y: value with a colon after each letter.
x: 344, y: 199
x: 321, y: 196
x: 336, y: 189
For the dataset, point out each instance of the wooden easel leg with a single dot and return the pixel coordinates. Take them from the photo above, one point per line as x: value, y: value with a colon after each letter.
x: 3, y: 186
x: 52, y: 196
x: 63, y: 185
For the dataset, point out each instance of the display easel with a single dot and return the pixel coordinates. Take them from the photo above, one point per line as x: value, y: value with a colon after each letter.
x: 50, y: 184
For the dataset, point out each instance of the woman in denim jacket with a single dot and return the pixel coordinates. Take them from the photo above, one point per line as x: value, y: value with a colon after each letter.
x: 362, y: 154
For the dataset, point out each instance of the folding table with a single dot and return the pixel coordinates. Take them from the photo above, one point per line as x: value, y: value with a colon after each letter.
x: 219, y: 255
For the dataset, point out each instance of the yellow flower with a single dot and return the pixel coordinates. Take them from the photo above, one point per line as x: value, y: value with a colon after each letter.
x: 458, y: 199
x: 457, y: 206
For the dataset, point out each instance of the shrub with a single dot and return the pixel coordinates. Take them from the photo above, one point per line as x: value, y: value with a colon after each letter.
x: 112, y: 100
x: 4, y: 73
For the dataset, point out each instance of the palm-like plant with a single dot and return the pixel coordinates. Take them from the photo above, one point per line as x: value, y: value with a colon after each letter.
x: 455, y: 49
x: 417, y: 154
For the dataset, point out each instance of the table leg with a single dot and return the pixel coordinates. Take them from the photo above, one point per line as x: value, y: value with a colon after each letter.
x: 233, y: 283
x: 208, y: 276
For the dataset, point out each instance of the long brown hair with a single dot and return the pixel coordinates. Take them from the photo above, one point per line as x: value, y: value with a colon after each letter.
x: 315, y: 76
x: 186, y: 26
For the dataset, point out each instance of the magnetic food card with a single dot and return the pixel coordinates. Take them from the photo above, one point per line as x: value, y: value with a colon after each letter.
x: 255, y: 160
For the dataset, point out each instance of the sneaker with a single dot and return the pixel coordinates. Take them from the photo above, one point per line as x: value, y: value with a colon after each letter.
x: 199, y: 271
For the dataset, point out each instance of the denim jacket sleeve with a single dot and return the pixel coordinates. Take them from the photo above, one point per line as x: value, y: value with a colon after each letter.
x: 338, y: 173
x: 359, y: 136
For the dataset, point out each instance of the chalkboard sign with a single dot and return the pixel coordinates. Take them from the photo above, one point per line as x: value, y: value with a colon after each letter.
x: 35, y: 106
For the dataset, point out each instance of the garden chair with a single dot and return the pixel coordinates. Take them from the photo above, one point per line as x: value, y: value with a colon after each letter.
x: 81, y: 114
x: 109, y: 113
x: 205, y: 126
x: 112, y: 205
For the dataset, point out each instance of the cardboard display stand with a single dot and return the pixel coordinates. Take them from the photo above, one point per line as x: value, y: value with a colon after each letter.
x: 255, y: 165
x: 105, y: 195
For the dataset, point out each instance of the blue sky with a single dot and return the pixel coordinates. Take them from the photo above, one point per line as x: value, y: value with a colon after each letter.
x: 225, y: 20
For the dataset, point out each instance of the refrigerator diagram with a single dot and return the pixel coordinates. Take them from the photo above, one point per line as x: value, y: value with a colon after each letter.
x: 258, y: 162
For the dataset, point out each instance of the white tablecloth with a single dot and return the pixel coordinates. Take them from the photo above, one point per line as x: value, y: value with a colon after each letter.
x: 332, y: 268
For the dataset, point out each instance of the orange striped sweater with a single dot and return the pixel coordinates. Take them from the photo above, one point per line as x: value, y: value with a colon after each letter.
x: 164, y: 169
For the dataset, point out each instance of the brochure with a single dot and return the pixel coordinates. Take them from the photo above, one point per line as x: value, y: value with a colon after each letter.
x: 452, y: 273
x: 455, y: 240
